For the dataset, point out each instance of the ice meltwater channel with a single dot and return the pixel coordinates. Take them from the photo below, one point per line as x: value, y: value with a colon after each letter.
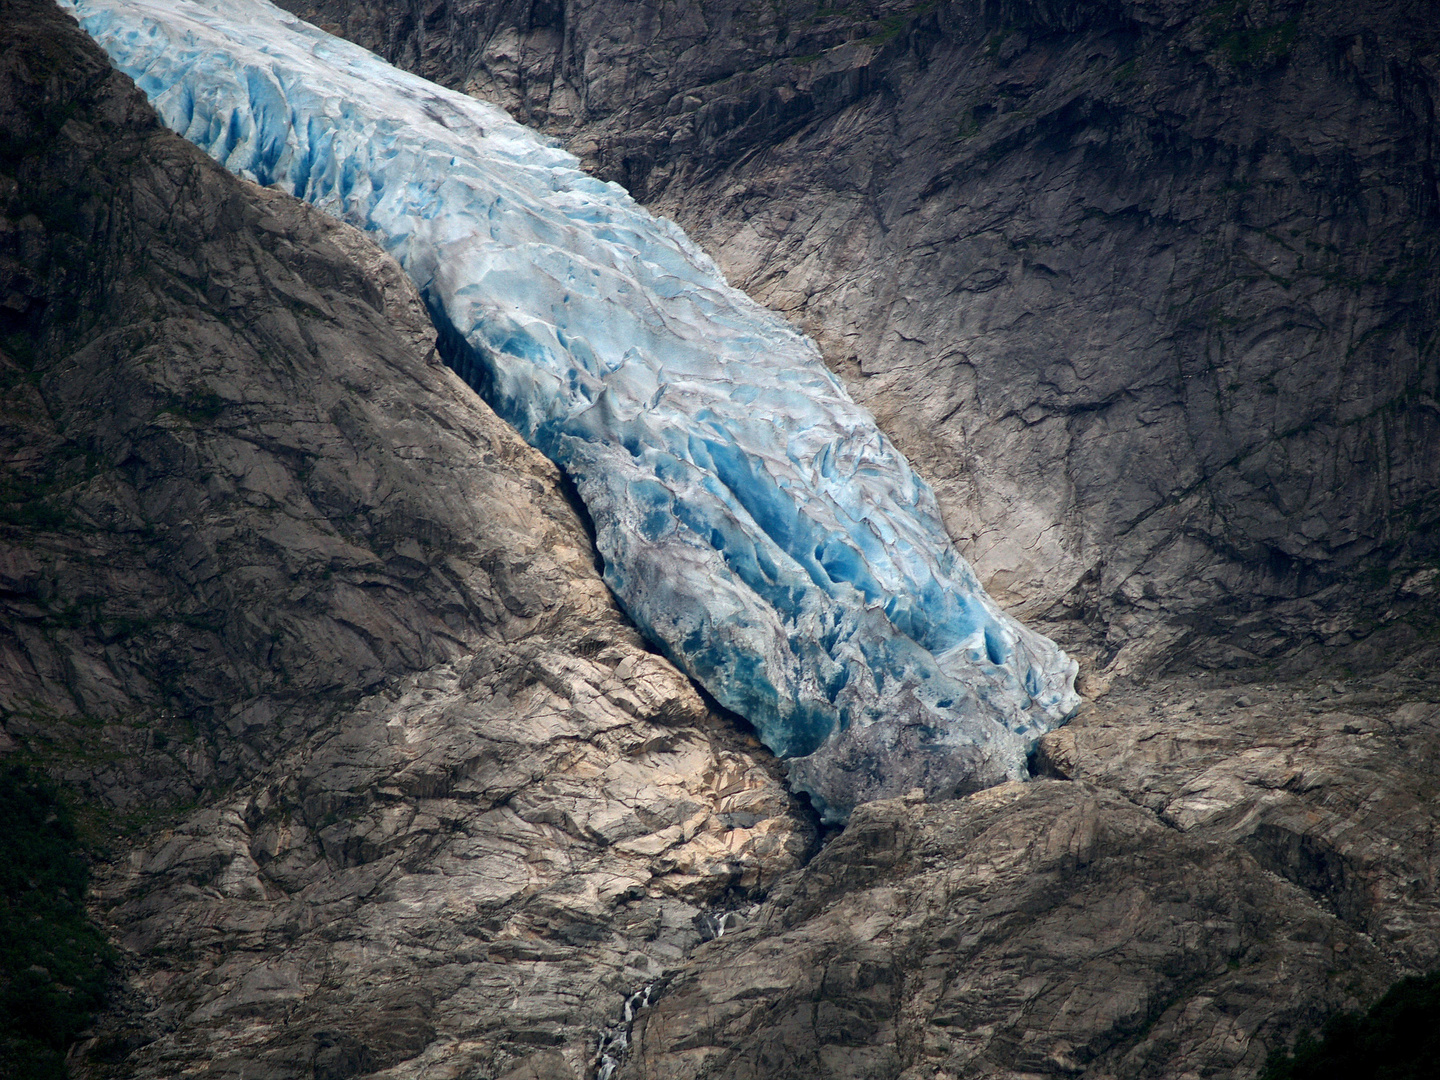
x: 753, y: 520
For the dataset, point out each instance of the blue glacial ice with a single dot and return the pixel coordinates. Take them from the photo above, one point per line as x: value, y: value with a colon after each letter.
x: 752, y: 519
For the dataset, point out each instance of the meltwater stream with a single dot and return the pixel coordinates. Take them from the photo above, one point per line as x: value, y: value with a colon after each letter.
x: 752, y: 519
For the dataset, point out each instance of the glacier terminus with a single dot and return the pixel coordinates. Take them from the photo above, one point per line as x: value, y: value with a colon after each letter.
x: 753, y: 520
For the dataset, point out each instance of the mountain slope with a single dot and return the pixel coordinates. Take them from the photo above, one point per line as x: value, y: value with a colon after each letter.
x: 1141, y: 287
x: 318, y: 641
x: 392, y: 789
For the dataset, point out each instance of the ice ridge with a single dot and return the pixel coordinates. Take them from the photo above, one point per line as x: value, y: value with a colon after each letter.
x: 753, y: 520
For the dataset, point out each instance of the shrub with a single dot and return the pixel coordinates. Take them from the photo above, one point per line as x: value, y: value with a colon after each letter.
x: 54, y: 963
x: 1398, y: 1039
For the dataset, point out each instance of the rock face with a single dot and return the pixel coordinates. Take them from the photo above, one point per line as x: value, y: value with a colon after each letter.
x: 1226, y: 865
x: 1327, y: 783
x: 285, y: 598
x: 394, y: 789
x: 1043, y: 929
x: 1142, y: 287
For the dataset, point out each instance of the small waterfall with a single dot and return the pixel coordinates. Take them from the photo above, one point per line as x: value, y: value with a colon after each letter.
x: 711, y: 925
x: 614, y: 1042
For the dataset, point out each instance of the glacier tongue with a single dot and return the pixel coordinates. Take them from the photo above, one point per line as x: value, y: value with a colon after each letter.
x: 752, y: 519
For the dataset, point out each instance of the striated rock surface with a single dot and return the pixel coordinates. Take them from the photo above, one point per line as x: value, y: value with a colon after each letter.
x: 1043, y: 929
x: 393, y: 789
x: 393, y: 783
x: 1327, y: 782
x: 1228, y: 864
x: 471, y: 869
x: 1143, y: 287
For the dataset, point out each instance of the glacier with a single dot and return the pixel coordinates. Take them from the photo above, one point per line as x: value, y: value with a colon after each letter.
x: 752, y: 519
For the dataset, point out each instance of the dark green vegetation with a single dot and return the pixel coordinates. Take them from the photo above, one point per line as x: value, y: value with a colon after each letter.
x: 54, y: 965
x: 1244, y: 38
x: 1398, y: 1039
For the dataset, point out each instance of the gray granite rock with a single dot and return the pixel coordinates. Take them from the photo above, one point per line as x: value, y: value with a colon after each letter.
x: 389, y: 781
x: 1227, y: 865
x: 1329, y: 783
x: 392, y: 789
x: 1143, y: 288
x: 1040, y: 929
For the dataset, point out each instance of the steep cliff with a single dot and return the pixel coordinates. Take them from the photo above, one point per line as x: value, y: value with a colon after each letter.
x: 1142, y: 287
x: 391, y: 787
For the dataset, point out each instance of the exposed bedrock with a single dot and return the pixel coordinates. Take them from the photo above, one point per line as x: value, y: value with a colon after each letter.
x: 1223, y: 866
x: 385, y: 774
x: 1143, y: 288
x: 393, y: 789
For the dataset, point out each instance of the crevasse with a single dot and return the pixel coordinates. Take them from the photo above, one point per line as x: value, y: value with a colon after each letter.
x: 753, y: 520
